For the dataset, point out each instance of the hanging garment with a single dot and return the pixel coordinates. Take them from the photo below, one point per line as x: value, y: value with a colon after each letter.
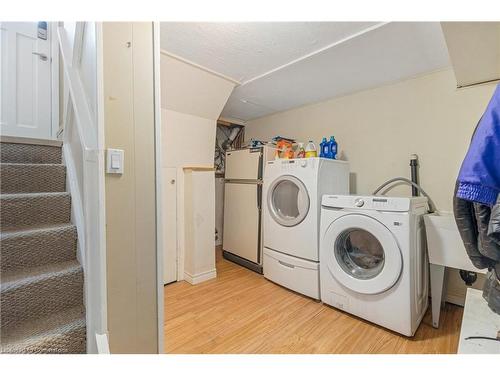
x: 494, y: 226
x: 476, y: 203
x: 479, y: 176
x: 473, y: 221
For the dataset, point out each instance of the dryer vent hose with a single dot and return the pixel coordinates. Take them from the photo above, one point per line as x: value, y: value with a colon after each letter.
x: 432, y: 206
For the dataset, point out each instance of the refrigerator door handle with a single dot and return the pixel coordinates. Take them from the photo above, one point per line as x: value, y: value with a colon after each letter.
x: 236, y: 181
x: 261, y: 165
x: 259, y: 197
x: 259, y: 232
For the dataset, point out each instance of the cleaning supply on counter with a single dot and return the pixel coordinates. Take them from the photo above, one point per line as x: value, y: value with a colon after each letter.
x: 284, y: 147
x: 288, y: 153
x: 254, y: 143
x: 332, y: 148
x: 324, y: 148
x: 301, y: 152
x: 311, y: 150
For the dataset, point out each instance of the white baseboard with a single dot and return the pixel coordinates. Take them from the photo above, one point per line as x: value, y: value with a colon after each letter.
x: 200, y: 277
x: 102, y: 343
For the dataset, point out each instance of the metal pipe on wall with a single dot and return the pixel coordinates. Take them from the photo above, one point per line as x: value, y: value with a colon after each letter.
x: 414, y: 173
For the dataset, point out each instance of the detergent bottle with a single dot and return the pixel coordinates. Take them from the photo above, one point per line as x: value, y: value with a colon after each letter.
x: 332, y: 152
x: 324, y: 148
x: 311, y: 150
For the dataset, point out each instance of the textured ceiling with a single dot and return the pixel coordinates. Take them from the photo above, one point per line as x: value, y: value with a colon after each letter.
x: 245, y: 50
x: 285, y: 65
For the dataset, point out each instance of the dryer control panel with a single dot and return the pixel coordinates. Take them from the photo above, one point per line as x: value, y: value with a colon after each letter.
x: 292, y: 164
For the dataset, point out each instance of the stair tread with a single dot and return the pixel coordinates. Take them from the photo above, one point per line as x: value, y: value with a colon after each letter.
x: 26, y: 247
x: 29, y: 332
x: 26, y: 231
x: 30, y: 153
x: 25, y: 210
x: 33, y: 195
x: 18, y: 178
x: 33, y: 164
x: 31, y: 141
x: 18, y: 278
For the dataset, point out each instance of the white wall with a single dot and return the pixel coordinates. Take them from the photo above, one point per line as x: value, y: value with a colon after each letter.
x: 88, y: 66
x: 219, y: 209
x: 189, y: 89
x: 190, y: 139
x: 131, y: 197
x: 378, y: 129
x: 192, y: 100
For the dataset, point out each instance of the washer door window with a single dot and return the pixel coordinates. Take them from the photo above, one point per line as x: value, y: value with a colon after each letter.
x: 362, y: 254
x: 288, y: 201
x: 359, y: 253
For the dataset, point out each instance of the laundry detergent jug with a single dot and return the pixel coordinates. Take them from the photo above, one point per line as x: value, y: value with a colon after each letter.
x: 324, y: 148
x: 332, y: 148
x: 311, y: 150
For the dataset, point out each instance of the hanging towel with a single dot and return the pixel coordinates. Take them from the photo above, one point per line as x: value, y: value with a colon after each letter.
x: 479, y: 177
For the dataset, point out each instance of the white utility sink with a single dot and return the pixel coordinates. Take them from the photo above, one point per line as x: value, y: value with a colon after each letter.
x: 445, y: 244
x: 446, y: 249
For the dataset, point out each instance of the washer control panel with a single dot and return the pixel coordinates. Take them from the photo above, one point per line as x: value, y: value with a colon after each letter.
x: 359, y: 202
x: 379, y: 203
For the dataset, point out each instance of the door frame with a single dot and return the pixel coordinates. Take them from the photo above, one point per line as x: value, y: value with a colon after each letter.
x: 54, y: 79
x: 159, y: 186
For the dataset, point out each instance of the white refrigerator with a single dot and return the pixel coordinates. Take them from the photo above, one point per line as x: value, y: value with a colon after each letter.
x: 242, y: 235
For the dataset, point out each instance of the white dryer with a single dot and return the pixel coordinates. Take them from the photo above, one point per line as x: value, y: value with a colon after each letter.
x: 374, y: 259
x: 292, y: 191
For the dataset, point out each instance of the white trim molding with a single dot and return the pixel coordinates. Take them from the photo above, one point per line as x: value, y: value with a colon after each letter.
x: 200, y: 277
x: 83, y: 149
x: 102, y: 344
x: 54, y: 80
x: 159, y: 184
x: 177, y: 57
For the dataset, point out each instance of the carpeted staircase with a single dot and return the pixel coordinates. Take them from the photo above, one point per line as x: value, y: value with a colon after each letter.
x: 41, y: 294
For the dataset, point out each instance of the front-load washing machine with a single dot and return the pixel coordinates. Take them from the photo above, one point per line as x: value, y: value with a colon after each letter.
x: 374, y: 259
x: 292, y: 191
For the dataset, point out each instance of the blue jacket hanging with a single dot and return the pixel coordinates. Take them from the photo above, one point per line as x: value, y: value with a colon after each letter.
x: 479, y: 177
x: 477, y: 211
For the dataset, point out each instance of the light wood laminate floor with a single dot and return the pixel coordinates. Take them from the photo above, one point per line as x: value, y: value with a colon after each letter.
x: 241, y: 312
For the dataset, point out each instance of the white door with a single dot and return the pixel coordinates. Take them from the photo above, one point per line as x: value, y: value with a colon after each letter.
x: 241, y: 220
x: 170, y: 222
x: 25, y: 92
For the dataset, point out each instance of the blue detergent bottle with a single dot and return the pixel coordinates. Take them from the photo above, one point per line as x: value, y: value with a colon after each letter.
x: 332, y: 149
x: 324, y: 148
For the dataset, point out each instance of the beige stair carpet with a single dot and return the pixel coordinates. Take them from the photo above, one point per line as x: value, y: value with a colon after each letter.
x: 41, y: 291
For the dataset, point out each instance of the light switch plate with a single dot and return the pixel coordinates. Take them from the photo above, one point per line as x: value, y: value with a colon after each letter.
x: 114, y: 161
